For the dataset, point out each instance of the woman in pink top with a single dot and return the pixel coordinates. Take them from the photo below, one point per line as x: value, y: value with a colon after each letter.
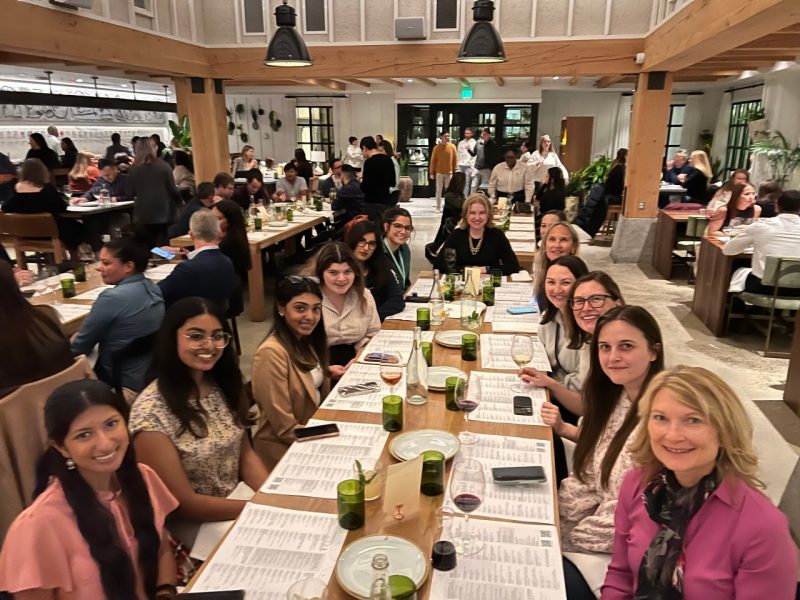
x: 690, y: 522
x: 95, y: 529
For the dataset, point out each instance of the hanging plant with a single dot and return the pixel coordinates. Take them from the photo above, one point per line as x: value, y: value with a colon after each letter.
x: 240, y: 109
x: 243, y: 136
x: 260, y: 110
x: 274, y: 121
x: 228, y: 112
x: 231, y: 127
x: 254, y: 114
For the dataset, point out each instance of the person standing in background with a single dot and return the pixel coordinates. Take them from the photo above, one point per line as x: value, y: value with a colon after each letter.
x: 543, y: 159
x: 52, y: 140
x: 488, y: 155
x: 466, y: 160
x: 444, y: 161
x: 352, y: 155
x: 377, y: 179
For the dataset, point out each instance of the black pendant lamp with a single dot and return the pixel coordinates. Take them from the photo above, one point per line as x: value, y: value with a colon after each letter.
x: 483, y: 43
x: 287, y: 48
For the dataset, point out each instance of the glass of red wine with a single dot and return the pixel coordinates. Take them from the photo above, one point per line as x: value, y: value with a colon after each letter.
x: 391, y: 370
x: 467, y: 399
x: 467, y: 489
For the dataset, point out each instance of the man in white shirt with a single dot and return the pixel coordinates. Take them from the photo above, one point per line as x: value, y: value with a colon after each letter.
x: 511, y: 179
x: 52, y: 140
x: 778, y: 236
x: 466, y: 161
x: 353, y: 155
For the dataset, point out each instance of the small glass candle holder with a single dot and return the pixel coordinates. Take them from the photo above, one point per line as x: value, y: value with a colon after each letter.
x: 350, y: 504
x: 424, y: 318
x: 469, y: 346
x: 393, y: 413
x: 443, y: 556
x: 432, y: 473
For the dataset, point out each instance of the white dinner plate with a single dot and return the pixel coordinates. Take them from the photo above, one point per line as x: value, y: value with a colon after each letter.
x: 454, y: 309
x: 437, y: 377
x: 450, y: 338
x: 277, y: 224
x: 88, y: 203
x: 354, y: 567
x: 408, y: 446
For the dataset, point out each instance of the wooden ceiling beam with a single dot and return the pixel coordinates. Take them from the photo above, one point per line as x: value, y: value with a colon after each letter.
x: 326, y: 83
x: 360, y: 82
x: 609, y: 80
x: 701, y: 30
x: 537, y: 81
x: 392, y: 82
x: 463, y: 80
x: 427, y: 81
x: 499, y: 81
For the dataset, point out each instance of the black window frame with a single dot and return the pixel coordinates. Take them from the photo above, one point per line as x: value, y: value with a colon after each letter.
x: 328, y: 147
x: 670, y: 149
x: 737, y: 147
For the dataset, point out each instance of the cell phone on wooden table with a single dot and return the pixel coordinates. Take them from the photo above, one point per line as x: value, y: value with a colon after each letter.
x: 162, y: 253
x: 359, y: 389
x: 523, y: 405
x: 519, y: 475
x: 316, y: 432
x: 377, y: 357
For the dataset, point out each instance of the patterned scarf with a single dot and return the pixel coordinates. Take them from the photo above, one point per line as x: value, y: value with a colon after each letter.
x: 672, y: 507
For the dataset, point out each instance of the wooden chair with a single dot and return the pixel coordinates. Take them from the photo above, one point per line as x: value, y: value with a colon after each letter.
x: 59, y: 177
x: 37, y: 232
x: 23, y: 438
x: 687, y: 247
x: 779, y: 272
x: 609, y: 226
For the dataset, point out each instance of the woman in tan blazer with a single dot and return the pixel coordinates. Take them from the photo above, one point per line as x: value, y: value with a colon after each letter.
x: 290, y: 368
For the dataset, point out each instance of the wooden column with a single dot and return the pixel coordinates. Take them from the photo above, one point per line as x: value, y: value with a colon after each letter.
x: 646, y: 148
x: 204, y: 101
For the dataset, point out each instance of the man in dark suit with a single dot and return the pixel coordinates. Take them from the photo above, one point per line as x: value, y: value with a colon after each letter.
x: 208, y: 273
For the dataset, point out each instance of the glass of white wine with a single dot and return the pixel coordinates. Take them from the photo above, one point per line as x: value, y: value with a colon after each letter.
x: 521, y: 354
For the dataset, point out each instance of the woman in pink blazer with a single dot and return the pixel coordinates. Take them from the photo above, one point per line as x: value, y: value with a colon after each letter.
x: 690, y: 522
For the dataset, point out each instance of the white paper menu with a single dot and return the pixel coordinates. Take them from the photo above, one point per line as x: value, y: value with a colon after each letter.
x: 361, y: 373
x: 269, y: 548
x: 530, y: 503
x: 497, y: 399
x: 518, y: 562
x: 314, y: 468
x: 496, y: 353
x: 70, y: 312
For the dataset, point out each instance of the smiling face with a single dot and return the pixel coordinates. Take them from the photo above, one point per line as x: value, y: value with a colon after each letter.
x: 97, y: 441
x: 302, y: 313
x: 747, y: 199
x: 547, y: 221
x: 624, y: 354
x: 338, y: 278
x: 681, y: 438
x: 112, y: 270
x: 199, y: 355
x: 587, y: 315
x: 477, y: 216
x: 399, y: 231
x: 545, y: 144
x: 556, y: 285
x: 558, y: 242
x: 365, y: 247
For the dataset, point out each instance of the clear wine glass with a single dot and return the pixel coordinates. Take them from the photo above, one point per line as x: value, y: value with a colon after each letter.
x: 467, y: 399
x: 467, y: 490
x: 391, y: 369
x: 49, y: 278
x: 521, y: 354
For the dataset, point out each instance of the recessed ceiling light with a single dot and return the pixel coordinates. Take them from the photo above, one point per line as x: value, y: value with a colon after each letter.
x: 410, y: 80
x: 556, y: 78
x: 124, y: 85
x: 79, y: 81
x: 369, y: 92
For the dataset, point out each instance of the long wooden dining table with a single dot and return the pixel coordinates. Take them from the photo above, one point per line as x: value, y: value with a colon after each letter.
x: 424, y: 529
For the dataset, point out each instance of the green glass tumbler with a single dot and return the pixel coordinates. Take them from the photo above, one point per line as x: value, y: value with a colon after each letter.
x: 488, y: 294
x: 469, y: 346
x: 454, y: 386
x: 393, y: 413
x: 350, y: 504
x: 497, y: 277
x: 424, y: 319
x: 432, y: 473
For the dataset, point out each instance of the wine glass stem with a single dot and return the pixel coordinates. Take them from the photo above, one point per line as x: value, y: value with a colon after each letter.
x: 466, y: 530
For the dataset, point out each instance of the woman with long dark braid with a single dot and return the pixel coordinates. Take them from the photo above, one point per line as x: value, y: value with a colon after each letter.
x: 95, y: 528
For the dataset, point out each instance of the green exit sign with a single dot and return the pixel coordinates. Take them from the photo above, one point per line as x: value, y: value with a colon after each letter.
x: 466, y: 93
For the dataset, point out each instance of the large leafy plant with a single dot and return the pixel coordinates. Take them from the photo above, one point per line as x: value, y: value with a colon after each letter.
x: 182, y: 132
x: 782, y: 158
x: 592, y: 174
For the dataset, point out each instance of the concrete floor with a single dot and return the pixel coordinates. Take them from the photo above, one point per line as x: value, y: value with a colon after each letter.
x: 686, y: 341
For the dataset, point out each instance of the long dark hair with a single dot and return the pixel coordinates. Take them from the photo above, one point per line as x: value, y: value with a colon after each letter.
x: 175, y: 381
x: 577, y: 336
x: 339, y: 252
x: 17, y: 320
x: 40, y: 141
x: 235, y: 245
x: 95, y: 522
x: 555, y: 180
x: 578, y: 269
x: 457, y: 183
x: 69, y: 144
x: 377, y: 266
x: 731, y: 212
x: 601, y: 395
x: 306, y: 352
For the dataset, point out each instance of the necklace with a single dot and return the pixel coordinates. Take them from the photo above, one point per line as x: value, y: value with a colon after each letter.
x: 477, y: 247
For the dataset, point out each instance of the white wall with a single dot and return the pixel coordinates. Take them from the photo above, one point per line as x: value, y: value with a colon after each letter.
x: 279, y: 144
x: 781, y: 101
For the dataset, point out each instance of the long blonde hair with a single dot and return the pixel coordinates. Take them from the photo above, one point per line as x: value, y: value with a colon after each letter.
x: 145, y: 151
x: 81, y: 165
x: 476, y: 198
x: 540, y: 261
x: 704, y: 392
x: 700, y: 162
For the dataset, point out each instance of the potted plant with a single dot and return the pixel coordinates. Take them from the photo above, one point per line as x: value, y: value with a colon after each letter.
x: 757, y: 123
x: 405, y: 185
x: 182, y: 132
x: 782, y: 158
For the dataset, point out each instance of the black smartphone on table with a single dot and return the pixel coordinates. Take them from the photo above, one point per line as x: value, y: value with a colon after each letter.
x: 519, y: 475
x: 316, y: 432
x: 523, y: 405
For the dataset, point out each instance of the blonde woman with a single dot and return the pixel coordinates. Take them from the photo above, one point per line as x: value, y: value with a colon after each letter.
x: 690, y: 521
x: 83, y: 173
x: 543, y: 159
x: 559, y: 240
x: 696, y: 182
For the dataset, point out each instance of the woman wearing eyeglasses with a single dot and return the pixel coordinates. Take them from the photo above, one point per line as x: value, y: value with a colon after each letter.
x: 477, y: 242
x: 397, y: 230
x: 362, y: 236
x: 590, y: 297
x: 290, y: 368
x: 348, y: 308
x: 189, y: 424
